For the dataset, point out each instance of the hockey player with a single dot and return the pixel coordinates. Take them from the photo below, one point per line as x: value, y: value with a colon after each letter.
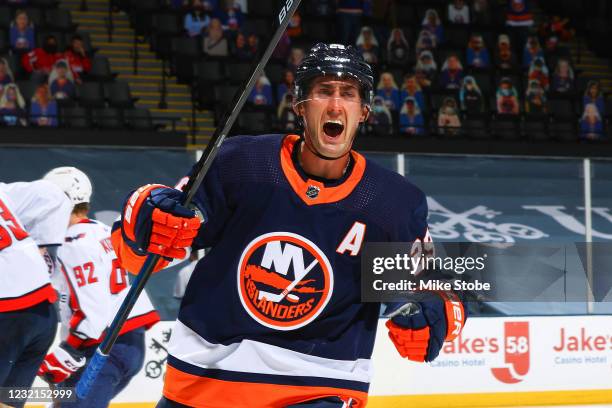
x: 33, y: 221
x: 92, y: 284
x: 272, y: 315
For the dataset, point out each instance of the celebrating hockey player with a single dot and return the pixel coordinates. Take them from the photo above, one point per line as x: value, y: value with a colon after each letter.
x: 92, y: 284
x: 33, y: 221
x: 272, y: 315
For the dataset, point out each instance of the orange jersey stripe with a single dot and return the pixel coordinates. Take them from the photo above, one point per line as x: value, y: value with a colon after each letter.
x: 203, y: 392
x: 326, y: 194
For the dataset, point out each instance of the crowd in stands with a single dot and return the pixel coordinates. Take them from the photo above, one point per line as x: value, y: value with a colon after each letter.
x: 48, y: 70
x: 442, y: 67
x: 33, y: 59
x: 438, y: 64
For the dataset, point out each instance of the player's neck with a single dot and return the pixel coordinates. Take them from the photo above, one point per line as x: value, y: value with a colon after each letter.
x: 318, y: 167
x: 76, y: 218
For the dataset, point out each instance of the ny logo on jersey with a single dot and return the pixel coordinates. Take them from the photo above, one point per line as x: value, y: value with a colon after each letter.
x: 284, y: 280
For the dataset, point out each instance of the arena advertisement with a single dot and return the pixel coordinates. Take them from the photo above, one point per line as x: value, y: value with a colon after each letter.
x: 506, y: 355
x: 498, y: 355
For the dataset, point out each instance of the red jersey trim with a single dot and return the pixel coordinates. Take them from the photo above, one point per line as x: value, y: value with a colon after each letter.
x: 326, y: 195
x: 146, y: 320
x: 44, y: 293
x: 204, y: 392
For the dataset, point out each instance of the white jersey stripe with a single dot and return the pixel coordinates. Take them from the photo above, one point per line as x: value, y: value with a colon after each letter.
x: 251, y: 356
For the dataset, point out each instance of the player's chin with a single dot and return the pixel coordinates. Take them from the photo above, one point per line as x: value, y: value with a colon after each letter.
x: 336, y: 149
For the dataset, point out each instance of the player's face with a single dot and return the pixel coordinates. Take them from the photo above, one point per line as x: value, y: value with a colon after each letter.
x: 332, y: 113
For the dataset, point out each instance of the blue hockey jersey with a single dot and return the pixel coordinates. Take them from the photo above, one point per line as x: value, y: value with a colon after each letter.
x: 272, y: 314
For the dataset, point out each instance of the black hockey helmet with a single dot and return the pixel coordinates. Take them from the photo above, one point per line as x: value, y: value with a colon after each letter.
x: 334, y: 60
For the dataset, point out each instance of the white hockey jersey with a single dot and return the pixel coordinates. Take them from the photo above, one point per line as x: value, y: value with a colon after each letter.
x: 92, y: 286
x: 32, y: 214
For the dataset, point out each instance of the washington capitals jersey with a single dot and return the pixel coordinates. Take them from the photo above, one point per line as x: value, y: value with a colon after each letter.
x: 272, y: 314
x: 32, y: 214
x: 92, y: 284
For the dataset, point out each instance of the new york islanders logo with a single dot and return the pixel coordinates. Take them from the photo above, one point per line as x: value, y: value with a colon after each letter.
x: 284, y: 280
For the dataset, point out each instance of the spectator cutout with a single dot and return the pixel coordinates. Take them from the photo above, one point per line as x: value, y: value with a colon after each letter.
x: 532, y: 50
x: 398, y: 48
x: 387, y: 89
x: 518, y: 14
x: 61, y: 81
x: 215, y: 44
x: 458, y: 12
x: 12, y: 107
x: 563, y: 77
x: 287, y: 118
x: 43, y: 109
x: 21, y: 33
x: 426, y: 69
x: 538, y: 71
x: 286, y: 85
x: 294, y: 30
x: 197, y: 18
x: 426, y: 41
x: 240, y: 49
x: 504, y: 57
x: 593, y: 95
x: 261, y: 95
x: 367, y: 44
x: 591, y: 125
x: 411, y: 119
x: 477, y: 53
x: 470, y: 96
x: 507, y: 98
x: 411, y: 88
x: 380, y: 122
x: 295, y: 58
x: 451, y: 74
x: 231, y: 18
x: 433, y: 24
x: 77, y: 58
x: 535, y: 98
x: 448, y: 118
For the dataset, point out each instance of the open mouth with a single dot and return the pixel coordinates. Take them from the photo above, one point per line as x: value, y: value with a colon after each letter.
x: 333, y: 128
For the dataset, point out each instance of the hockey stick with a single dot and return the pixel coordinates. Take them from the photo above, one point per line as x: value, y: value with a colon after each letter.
x: 202, y: 166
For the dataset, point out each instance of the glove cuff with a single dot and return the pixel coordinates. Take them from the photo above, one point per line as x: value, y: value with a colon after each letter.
x: 455, y: 314
x: 132, y: 207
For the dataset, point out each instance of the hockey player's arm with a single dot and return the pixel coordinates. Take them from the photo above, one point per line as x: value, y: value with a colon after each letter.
x: 154, y: 222
x: 419, y: 329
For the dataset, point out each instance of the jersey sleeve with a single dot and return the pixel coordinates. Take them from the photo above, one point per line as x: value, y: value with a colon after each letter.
x: 413, y: 226
x: 43, y: 209
x: 86, y: 272
x: 211, y: 198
